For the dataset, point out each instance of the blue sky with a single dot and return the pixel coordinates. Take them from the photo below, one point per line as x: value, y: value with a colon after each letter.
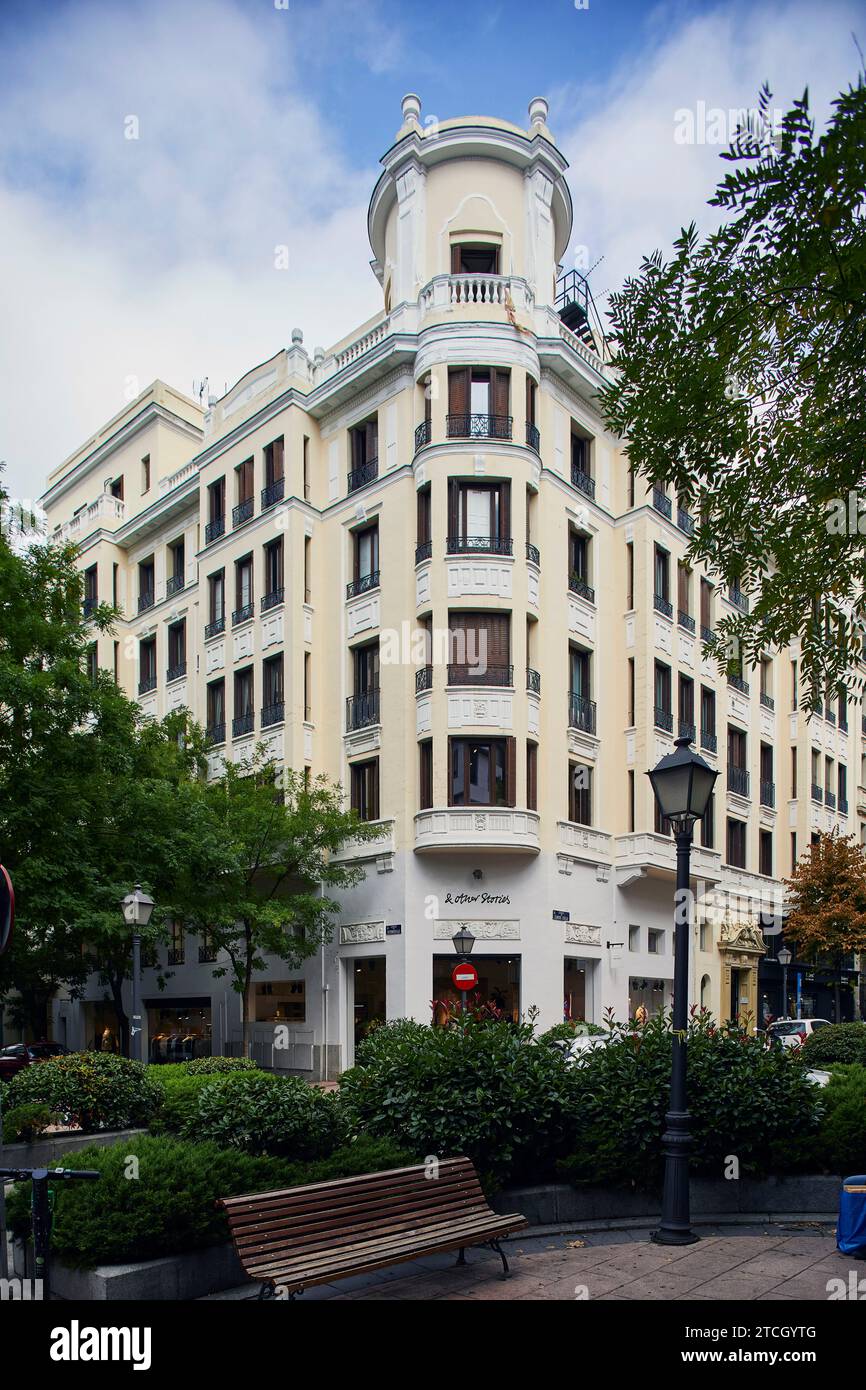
x: 260, y: 126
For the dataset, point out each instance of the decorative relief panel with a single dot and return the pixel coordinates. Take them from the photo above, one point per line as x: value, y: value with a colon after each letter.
x: 308, y: 742
x: 532, y: 586
x: 579, y: 934
x: 479, y: 577
x: 533, y: 714
x: 422, y: 586
x: 687, y: 651
x: 581, y: 618
x: 363, y: 616
x: 176, y: 695
x: 423, y: 716
x: 467, y: 711
x: 148, y: 707
x: 357, y: 933
x: 662, y: 634
x: 768, y: 723
x: 738, y: 706
x: 272, y: 630
x: 274, y: 746
x: 308, y: 623
x: 215, y: 657
x: 242, y: 643
x: 484, y: 930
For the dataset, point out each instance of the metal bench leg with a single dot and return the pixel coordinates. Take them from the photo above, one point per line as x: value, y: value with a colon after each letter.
x: 266, y: 1292
x: 461, y: 1258
x: 494, y: 1245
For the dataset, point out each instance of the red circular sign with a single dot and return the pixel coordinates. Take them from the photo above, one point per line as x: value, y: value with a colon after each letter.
x: 464, y: 976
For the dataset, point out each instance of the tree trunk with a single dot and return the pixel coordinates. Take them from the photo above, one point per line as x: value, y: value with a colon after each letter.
x: 245, y: 992
x: 115, y: 982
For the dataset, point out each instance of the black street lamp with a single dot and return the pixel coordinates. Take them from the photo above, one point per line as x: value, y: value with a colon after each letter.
x: 682, y: 783
x: 784, y: 957
x: 463, y: 944
x: 137, y: 908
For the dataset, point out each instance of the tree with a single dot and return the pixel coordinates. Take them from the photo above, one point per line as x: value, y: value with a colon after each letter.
x: 273, y: 837
x: 827, y: 897
x: 738, y: 377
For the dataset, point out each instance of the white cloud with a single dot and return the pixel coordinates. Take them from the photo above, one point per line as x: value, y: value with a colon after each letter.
x: 633, y: 186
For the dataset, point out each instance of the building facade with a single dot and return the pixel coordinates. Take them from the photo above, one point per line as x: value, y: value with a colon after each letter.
x: 419, y: 563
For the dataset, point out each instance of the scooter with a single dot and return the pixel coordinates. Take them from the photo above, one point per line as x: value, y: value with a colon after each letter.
x: 40, y: 1207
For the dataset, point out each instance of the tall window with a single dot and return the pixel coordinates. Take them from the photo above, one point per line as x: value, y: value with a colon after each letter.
x: 706, y: 608
x: 216, y: 711
x: 216, y: 585
x: 273, y: 572
x: 176, y: 650
x: 579, y: 575
x: 661, y: 580
x: 684, y: 591
x: 478, y: 403
x: 146, y: 583
x: 629, y: 582
x: 244, y: 716
x: 423, y: 533
x: 243, y: 588
x: 365, y: 559
x: 687, y: 707
x: 479, y: 648
x: 708, y: 824
x: 470, y: 259
x: 765, y: 853
x: 306, y: 468
x: 274, y: 461
x: 736, y: 844
x: 147, y: 665
x: 479, y: 517
x: 794, y: 772
x: 244, y: 481
x: 580, y: 793
x: 91, y: 594
x: 145, y: 474
x: 531, y: 776
x: 363, y: 453
x: 482, y: 772
x: 662, y: 696
x: 216, y: 501
x: 365, y: 789
x: 425, y: 774
x: 273, y: 695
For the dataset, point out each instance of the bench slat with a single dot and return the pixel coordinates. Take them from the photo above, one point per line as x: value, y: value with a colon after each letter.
x: 344, y: 1236
x: 345, y: 1190
x: 301, y: 1223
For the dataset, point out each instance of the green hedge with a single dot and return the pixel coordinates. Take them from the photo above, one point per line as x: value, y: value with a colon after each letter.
x: 94, y: 1090
x: 840, y: 1144
x: 163, y: 1203
x: 835, y: 1042
x: 266, y: 1114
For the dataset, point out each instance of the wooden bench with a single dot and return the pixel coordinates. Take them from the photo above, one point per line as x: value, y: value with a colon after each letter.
x: 302, y: 1236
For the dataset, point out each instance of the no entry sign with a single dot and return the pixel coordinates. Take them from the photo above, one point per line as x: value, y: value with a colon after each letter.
x: 7, y: 909
x: 464, y: 976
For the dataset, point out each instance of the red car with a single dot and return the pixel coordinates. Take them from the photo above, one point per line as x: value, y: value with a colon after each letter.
x: 19, y: 1055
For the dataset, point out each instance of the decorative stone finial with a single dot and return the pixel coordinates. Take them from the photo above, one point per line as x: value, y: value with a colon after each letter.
x: 297, y: 336
x: 538, y: 109
x: 411, y: 109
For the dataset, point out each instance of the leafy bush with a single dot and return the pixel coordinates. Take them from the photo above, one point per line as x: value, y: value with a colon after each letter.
x: 180, y: 1093
x: 840, y: 1144
x: 266, y: 1114
x: 213, y: 1066
x: 745, y: 1100
x: 170, y: 1207
x: 481, y: 1089
x: 95, y: 1090
x: 362, y: 1155
x: 836, y: 1042
x: 25, y: 1123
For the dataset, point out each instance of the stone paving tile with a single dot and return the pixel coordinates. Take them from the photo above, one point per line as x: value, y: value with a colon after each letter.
x: 779, y: 1263
x: 737, y: 1285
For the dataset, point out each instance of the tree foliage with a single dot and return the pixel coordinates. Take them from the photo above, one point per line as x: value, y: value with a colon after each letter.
x: 827, y: 898
x: 739, y: 378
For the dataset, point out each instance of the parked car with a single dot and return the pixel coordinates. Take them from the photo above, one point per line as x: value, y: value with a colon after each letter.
x: 793, y: 1032
x: 818, y: 1078
x: 13, y: 1059
x: 578, y: 1047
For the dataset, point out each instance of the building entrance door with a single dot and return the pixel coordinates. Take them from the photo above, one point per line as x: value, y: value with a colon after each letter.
x: 367, y: 995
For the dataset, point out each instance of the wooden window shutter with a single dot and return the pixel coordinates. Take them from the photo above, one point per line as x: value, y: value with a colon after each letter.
x: 456, y: 253
x: 453, y: 507
x: 501, y: 383
x: 531, y: 776
x: 511, y: 772
x: 530, y: 399
x: 423, y: 533
x: 458, y: 391
x: 279, y: 456
x: 504, y: 510
x: 372, y: 440
x: 683, y: 588
x: 428, y: 399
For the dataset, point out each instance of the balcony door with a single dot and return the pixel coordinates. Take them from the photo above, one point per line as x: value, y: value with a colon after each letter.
x: 479, y: 517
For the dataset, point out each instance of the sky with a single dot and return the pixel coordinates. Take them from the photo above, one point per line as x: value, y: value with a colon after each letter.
x: 259, y: 124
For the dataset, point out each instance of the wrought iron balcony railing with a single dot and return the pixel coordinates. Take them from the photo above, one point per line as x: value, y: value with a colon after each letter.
x: 273, y: 493
x: 423, y: 679
x: 843, y: 805
x: 830, y: 799
x: 363, y: 584
x: 707, y: 633
x: 708, y: 740
x: 173, y: 585
x: 663, y: 718
x: 243, y: 511
x: 738, y: 780
x: 362, y: 475
x: 216, y: 733
x: 767, y: 700
x: 685, y: 620
x: 481, y: 545
x: 533, y: 437
x: 272, y: 599
x: 577, y: 585
x: 89, y: 606
x: 468, y: 674
x: 215, y: 628
x: 174, y: 673
x: 686, y: 730
x: 739, y: 684
x: 362, y: 710
x: 738, y: 598
x: 243, y: 724
x: 478, y: 426
x: 584, y: 482
x: 423, y: 433
x: 581, y: 713
x: 274, y: 713
x: 242, y: 615
x: 533, y: 554
x: 685, y: 521
x: 533, y: 681
x: 768, y: 793
x: 215, y: 529
x: 817, y: 792
x: 146, y: 684
x: 663, y: 605
x: 662, y: 502
x: 145, y: 600
x: 423, y: 551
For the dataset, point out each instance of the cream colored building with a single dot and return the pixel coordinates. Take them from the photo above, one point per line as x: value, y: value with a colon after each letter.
x: 417, y: 562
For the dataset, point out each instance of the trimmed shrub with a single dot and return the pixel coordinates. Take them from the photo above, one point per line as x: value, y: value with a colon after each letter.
x: 745, y: 1100
x: 180, y: 1093
x: 94, y: 1090
x: 25, y: 1123
x: 170, y: 1208
x: 266, y: 1114
x: 485, y: 1090
x: 216, y: 1066
x: 840, y: 1145
x: 836, y: 1042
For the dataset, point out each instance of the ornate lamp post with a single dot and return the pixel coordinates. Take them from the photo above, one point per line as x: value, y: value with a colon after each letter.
x: 463, y: 941
x: 682, y: 783
x: 137, y: 908
x: 784, y: 957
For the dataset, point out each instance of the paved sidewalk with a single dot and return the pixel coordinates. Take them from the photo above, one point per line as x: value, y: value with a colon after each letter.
x: 760, y: 1263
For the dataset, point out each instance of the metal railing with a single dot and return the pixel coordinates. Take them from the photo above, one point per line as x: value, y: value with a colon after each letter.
x: 363, y: 584
x: 738, y: 598
x: 817, y: 791
x: 685, y: 729
x: 243, y: 511
x: 241, y: 615
x: 423, y: 434
x: 581, y: 713
x: 830, y: 799
x: 467, y: 674
x: 423, y: 551
x: 273, y: 493
x: 708, y: 740
x: 89, y: 607
x: 583, y: 481
x: 423, y: 679
x: 533, y: 554
x: 274, y: 713
x: 145, y: 600
x: 685, y: 620
x: 767, y: 701
x: 663, y: 605
x: 215, y: 628
x: 469, y: 426
x: 738, y: 780
x: 362, y: 475
x: 214, y: 529
x: 362, y: 710
x: 580, y: 586
x: 533, y: 437
x: 273, y: 599
x: 533, y: 681
x: 173, y: 585
x: 243, y: 724
x: 174, y: 673
x: 146, y: 684
x: 768, y: 793
x: 707, y: 633
x: 216, y: 733
x: 661, y: 502
x: 482, y: 545
x: 739, y: 684
x: 685, y: 521
x: 663, y: 718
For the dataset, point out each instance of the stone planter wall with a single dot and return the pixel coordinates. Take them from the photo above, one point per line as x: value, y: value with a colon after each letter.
x: 54, y: 1146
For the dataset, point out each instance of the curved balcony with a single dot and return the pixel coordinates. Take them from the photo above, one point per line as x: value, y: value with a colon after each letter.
x: 362, y: 475
x: 468, y: 674
x: 459, y: 829
x: 583, y: 482
x: 533, y: 437
x: 423, y: 551
x: 533, y: 554
x: 477, y: 545
x: 423, y: 679
x: 468, y: 426
x: 650, y: 855
x: 423, y: 434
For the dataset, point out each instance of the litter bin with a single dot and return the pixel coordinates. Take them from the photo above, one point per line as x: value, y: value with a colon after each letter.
x: 851, y: 1231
